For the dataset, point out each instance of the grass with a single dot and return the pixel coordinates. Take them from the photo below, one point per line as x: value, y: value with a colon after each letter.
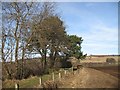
x: 31, y: 82
x: 25, y: 83
x: 8, y: 84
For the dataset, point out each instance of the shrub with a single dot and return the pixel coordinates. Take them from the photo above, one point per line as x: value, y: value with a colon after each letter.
x: 110, y: 60
x: 66, y: 64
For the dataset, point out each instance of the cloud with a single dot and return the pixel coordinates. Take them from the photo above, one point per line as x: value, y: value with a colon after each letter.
x: 101, y: 39
x: 100, y: 35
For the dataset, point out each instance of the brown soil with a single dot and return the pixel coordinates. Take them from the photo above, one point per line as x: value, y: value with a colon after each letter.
x: 89, y: 78
x: 112, y: 70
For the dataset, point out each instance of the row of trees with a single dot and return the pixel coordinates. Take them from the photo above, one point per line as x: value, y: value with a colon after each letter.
x: 29, y: 27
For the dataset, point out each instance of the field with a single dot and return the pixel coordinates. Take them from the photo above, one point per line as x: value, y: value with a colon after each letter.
x: 112, y: 70
x: 97, y: 73
x: 99, y: 63
x: 91, y: 76
x: 98, y: 59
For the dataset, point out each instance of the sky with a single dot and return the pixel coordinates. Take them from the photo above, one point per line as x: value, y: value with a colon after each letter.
x: 60, y: 0
x: 95, y: 22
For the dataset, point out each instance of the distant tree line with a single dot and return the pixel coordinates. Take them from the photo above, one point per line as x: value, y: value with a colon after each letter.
x: 28, y: 28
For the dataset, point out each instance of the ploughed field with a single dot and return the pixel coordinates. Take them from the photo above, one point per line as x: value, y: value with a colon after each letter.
x: 99, y: 63
x: 112, y: 70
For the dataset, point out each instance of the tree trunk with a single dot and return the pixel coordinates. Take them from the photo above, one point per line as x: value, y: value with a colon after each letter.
x: 45, y: 60
x: 3, y: 60
x: 52, y: 60
x: 50, y: 63
x: 11, y: 56
x: 7, y: 71
x: 23, y: 64
x: 16, y: 59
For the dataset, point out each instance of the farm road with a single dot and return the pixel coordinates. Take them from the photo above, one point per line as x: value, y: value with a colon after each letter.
x: 89, y: 78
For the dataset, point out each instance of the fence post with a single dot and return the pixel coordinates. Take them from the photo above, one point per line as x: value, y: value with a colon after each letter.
x: 59, y: 75
x: 16, y: 86
x: 65, y: 72
x: 40, y: 81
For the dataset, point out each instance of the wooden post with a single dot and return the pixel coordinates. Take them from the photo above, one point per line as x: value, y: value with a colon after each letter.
x: 65, y: 72
x: 53, y: 76
x: 40, y: 81
x: 59, y: 75
x: 16, y: 86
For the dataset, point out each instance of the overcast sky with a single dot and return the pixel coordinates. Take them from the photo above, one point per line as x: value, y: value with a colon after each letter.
x: 96, y: 23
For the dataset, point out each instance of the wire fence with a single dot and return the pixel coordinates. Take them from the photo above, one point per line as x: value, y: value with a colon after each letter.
x: 52, y: 77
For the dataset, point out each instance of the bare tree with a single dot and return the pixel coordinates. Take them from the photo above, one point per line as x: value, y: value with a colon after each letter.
x: 24, y: 24
x: 49, y: 35
x: 6, y: 51
x: 40, y: 35
x: 17, y: 15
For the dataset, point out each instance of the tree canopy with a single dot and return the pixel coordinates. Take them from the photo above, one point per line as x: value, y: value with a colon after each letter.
x: 35, y: 27
x: 75, y: 46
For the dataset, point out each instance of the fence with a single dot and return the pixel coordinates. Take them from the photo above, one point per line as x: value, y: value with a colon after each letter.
x: 54, y: 76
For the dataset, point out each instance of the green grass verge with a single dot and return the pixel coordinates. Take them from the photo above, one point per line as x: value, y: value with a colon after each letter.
x: 31, y: 82
x: 25, y: 83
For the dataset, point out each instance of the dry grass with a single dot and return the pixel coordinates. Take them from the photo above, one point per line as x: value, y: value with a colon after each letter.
x: 87, y: 78
x: 25, y: 83
x: 98, y: 59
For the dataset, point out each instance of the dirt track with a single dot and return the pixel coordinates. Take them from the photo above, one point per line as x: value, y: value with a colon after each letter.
x: 89, y: 78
